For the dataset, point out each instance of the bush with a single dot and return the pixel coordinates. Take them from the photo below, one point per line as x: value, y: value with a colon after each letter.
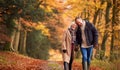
x: 37, y: 45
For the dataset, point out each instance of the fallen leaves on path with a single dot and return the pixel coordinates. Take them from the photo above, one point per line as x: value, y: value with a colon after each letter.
x: 14, y: 61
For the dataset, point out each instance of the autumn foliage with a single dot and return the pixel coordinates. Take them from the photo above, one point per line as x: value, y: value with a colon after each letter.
x: 33, y: 27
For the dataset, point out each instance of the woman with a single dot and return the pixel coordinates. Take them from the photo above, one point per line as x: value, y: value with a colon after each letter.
x: 68, y: 46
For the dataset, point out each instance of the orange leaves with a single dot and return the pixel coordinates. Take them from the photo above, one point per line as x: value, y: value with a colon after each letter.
x: 13, y: 61
x: 4, y: 38
x: 39, y: 26
x: 27, y: 23
x: 3, y: 34
x: 117, y: 27
x: 20, y: 11
x: 49, y: 5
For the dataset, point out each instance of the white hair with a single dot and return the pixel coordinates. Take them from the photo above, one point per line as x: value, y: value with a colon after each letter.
x: 72, y: 23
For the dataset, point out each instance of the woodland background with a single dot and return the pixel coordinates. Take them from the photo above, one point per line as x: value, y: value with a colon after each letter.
x: 34, y: 27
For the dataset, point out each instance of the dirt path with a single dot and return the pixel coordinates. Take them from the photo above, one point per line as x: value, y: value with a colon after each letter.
x: 13, y: 61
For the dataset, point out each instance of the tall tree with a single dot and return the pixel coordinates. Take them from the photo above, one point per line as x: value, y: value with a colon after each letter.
x: 107, y: 24
x: 97, y: 11
x: 115, y: 20
x: 16, y: 9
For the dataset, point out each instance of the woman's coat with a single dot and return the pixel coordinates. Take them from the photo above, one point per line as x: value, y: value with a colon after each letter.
x: 66, y: 46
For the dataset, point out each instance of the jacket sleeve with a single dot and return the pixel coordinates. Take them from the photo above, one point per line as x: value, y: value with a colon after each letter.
x: 95, y: 35
x: 64, y: 40
x: 78, y: 36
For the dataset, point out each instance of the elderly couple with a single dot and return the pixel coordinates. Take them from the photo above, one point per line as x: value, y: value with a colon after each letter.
x: 81, y: 33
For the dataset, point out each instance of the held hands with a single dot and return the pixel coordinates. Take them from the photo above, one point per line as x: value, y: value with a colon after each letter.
x: 76, y: 47
x: 64, y: 51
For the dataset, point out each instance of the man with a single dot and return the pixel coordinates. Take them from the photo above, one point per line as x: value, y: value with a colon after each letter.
x: 87, y: 38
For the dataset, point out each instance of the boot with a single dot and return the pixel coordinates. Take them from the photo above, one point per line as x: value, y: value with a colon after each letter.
x: 70, y: 66
x: 84, y: 65
x: 66, y: 66
x: 88, y: 66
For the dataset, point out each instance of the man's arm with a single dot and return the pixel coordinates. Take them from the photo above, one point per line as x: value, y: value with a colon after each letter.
x: 95, y: 36
x: 78, y: 36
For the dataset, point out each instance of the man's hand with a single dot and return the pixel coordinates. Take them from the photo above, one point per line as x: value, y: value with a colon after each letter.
x: 95, y: 46
x: 64, y: 51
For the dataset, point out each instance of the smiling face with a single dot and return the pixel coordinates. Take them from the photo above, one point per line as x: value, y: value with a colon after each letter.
x: 73, y: 26
x: 79, y: 21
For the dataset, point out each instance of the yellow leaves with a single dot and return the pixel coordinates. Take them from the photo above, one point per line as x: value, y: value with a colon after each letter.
x: 55, y: 55
x: 72, y: 1
x: 51, y: 2
x: 40, y: 26
x: 49, y: 9
x: 104, y: 5
x: 42, y: 6
x: 48, y: 5
x: 43, y: 28
x: 98, y: 5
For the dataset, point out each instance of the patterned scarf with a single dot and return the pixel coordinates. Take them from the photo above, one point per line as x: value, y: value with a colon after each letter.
x: 73, y: 35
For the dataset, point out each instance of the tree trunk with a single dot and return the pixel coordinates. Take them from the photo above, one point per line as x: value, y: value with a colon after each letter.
x: 100, y: 35
x: 113, y: 21
x: 114, y: 13
x: 21, y: 41
x: 107, y: 21
x: 97, y: 13
x: 17, y: 37
x: 22, y: 46
x: 104, y: 43
x: 12, y: 41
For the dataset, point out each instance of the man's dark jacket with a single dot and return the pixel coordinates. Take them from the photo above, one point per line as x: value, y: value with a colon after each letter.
x: 91, y: 34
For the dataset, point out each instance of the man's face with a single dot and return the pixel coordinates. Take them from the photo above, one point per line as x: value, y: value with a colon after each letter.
x: 79, y: 22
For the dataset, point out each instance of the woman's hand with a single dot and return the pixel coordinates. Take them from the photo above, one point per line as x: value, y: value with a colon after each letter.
x: 64, y: 51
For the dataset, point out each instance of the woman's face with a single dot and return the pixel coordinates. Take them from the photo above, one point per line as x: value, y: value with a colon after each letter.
x: 73, y: 26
